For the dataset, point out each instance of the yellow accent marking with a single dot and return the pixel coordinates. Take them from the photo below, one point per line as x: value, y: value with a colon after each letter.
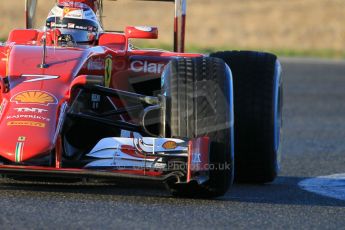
x: 7, y: 61
x: 170, y: 145
x: 108, y: 71
x: 38, y: 97
x: 26, y: 123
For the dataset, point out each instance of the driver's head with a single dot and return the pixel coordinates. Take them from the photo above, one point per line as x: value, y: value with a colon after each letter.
x: 74, y: 19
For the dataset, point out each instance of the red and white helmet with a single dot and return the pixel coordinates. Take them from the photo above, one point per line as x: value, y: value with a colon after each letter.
x: 93, y: 4
x: 76, y: 18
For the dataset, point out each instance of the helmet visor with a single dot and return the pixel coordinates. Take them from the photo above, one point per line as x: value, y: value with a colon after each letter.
x: 82, y: 30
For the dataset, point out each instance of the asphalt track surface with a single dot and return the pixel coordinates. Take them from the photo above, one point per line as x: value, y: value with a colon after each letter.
x: 314, y: 145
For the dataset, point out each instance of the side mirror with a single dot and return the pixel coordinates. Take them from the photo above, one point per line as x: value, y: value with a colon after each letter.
x: 143, y: 32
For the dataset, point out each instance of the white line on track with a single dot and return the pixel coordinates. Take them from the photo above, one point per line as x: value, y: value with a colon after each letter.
x: 330, y: 186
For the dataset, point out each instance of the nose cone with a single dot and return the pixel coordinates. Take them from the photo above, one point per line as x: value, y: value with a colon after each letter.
x: 27, y: 131
x: 20, y: 148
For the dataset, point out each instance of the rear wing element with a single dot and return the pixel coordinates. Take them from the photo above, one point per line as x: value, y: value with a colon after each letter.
x: 30, y: 10
x: 179, y: 23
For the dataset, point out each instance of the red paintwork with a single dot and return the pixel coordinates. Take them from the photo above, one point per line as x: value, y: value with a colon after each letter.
x: 22, y: 36
x: 19, y: 60
x: 198, y: 157
x: 141, y: 32
x: 113, y: 41
x: 131, y: 151
x: 58, y: 153
x: 67, y: 63
x: 85, y: 171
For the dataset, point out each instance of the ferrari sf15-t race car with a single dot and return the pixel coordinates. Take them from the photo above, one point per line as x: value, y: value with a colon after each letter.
x: 79, y: 102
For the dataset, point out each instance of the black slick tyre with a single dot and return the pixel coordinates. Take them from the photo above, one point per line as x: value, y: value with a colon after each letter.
x: 199, y: 103
x: 258, y: 114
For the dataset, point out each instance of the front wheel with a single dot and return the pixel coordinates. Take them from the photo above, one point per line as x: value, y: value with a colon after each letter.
x: 258, y: 94
x: 200, y: 103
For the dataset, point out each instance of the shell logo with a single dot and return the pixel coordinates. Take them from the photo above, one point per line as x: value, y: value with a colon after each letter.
x: 66, y: 11
x: 34, y: 97
x: 170, y: 145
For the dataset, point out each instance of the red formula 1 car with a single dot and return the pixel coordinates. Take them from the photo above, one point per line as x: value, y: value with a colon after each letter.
x: 77, y: 101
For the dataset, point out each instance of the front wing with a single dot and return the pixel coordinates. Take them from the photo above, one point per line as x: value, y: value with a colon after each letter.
x: 124, y: 159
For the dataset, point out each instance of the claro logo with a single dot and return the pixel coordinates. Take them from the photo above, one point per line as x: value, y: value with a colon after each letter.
x: 146, y: 67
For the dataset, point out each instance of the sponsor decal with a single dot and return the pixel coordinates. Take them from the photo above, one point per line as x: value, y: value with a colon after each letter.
x: 146, y: 67
x: 33, y: 78
x: 81, y: 27
x: 196, y: 158
x: 144, y: 28
x: 170, y: 145
x: 70, y: 25
x: 19, y: 149
x: 108, y: 70
x: 34, y: 97
x: 63, y: 25
x: 30, y: 110
x: 72, y: 13
x: 25, y: 116
x: 56, y: 25
x: 95, y: 98
x: 95, y: 64
x: 27, y: 123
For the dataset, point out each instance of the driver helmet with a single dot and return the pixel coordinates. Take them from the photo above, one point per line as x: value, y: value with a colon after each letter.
x: 75, y: 20
x: 93, y: 4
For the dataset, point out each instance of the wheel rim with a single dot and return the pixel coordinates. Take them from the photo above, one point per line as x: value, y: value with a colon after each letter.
x: 278, y: 104
x: 231, y: 102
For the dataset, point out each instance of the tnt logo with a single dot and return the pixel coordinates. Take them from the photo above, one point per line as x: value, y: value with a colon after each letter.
x: 30, y: 110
